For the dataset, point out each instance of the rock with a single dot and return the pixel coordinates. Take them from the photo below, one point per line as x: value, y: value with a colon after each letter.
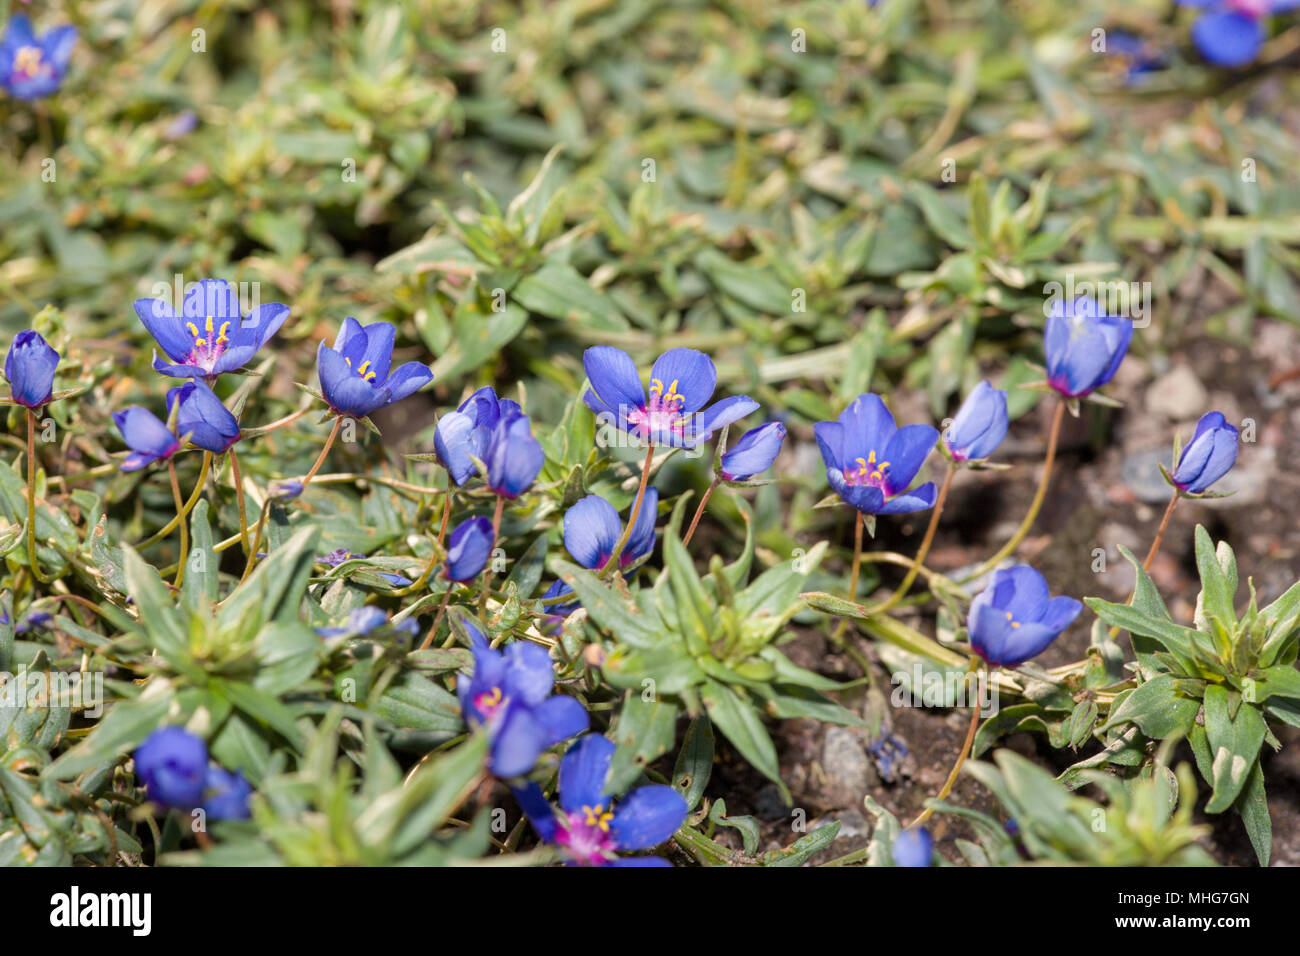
x: 1178, y: 395
x: 847, y: 768
x: 1141, y: 473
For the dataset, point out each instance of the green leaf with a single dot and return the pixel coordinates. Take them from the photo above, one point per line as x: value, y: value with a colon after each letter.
x: 798, y: 853
x: 607, y: 609
x: 558, y: 291
x: 738, y: 722
x: 1157, y: 708
x: 694, y: 763
x: 1253, y: 807
x: 645, y: 731
x: 200, y: 585
x: 1234, y: 745
x: 1218, y: 578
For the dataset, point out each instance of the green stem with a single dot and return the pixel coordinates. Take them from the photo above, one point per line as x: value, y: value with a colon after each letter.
x: 1034, y: 506
x: 612, y: 563
x: 32, y: 560
x: 699, y: 512
x: 965, y: 747
x: 185, y: 531
x: 168, y: 528
x: 320, y: 459
x: 433, y: 558
x: 239, y: 498
x: 924, y: 550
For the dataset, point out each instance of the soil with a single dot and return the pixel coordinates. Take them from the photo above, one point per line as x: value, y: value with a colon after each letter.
x: 1101, y: 496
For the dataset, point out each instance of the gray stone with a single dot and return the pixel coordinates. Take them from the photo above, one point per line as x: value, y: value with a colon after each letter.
x: 1178, y: 395
x: 847, y: 767
x: 1141, y: 473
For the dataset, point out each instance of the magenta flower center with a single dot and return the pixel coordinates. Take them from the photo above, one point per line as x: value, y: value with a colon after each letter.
x: 490, y: 703
x: 209, y: 344
x: 1256, y: 9
x: 29, y: 63
x: 870, y: 473
x: 586, y: 837
x: 662, y: 413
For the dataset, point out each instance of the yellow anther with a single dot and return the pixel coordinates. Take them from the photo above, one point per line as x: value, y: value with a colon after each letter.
x: 28, y: 60
x: 364, y: 373
x: 1013, y: 623
x: 194, y: 329
x: 223, y: 336
x: 596, y: 818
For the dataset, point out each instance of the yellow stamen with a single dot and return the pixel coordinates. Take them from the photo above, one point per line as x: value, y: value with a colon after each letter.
x: 877, y: 472
x: 28, y: 61
x: 223, y: 336
x: 596, y: 818
x: 362, y: 371
x: 194, y: 329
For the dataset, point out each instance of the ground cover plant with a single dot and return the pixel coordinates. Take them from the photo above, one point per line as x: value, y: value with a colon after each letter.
x: 649, y: 433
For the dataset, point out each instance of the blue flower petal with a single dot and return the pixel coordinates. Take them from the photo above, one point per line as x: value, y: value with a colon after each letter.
x: 615, y: 381
x: 562, y: 716
x: 906, y: 451
x: 868, y: 426
x: 583, y: 771
x: 529, y: 673
x: 451, y: 440
x: 641, y: 542
x: 29, y: 368
x: 591, y: 529
x: 647, y: 817
x: 517, y: 743
x: 468, y: 549
x: 916, y: 500
x: 1226, y: 38
x: 754, y: 452
x: 539, y: 812
x: 167, y: 330
x: 690, y: 372
x: 701, y: 427
x: 407, y: 379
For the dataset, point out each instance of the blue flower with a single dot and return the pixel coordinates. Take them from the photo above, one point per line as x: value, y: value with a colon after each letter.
x: 1131, y: 55
x: 33, y: 67
x: 468, y: 549
x: 210, y: 336
x: 681, y: 382
x: 226, y: 794
x: 29, y: 369
x: 203, y: 417
x: 514, y: 456
x: 556, y: 613
x: 913, y: 847
x: 870, y: 461
x: 754, y: 453
x: 1231, y: 32
x: 510, y: 695
x: 361, y: 620
x: 173, y: 764
x: 1014, y: 618
x: 354, y: 375
x: 592, y: 528
x: 980, y: 424
x: 147, y: 437
x: 587, y: 827
x: 1209, y: 456
x: 463, y: 435
x: 1083, y: 346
